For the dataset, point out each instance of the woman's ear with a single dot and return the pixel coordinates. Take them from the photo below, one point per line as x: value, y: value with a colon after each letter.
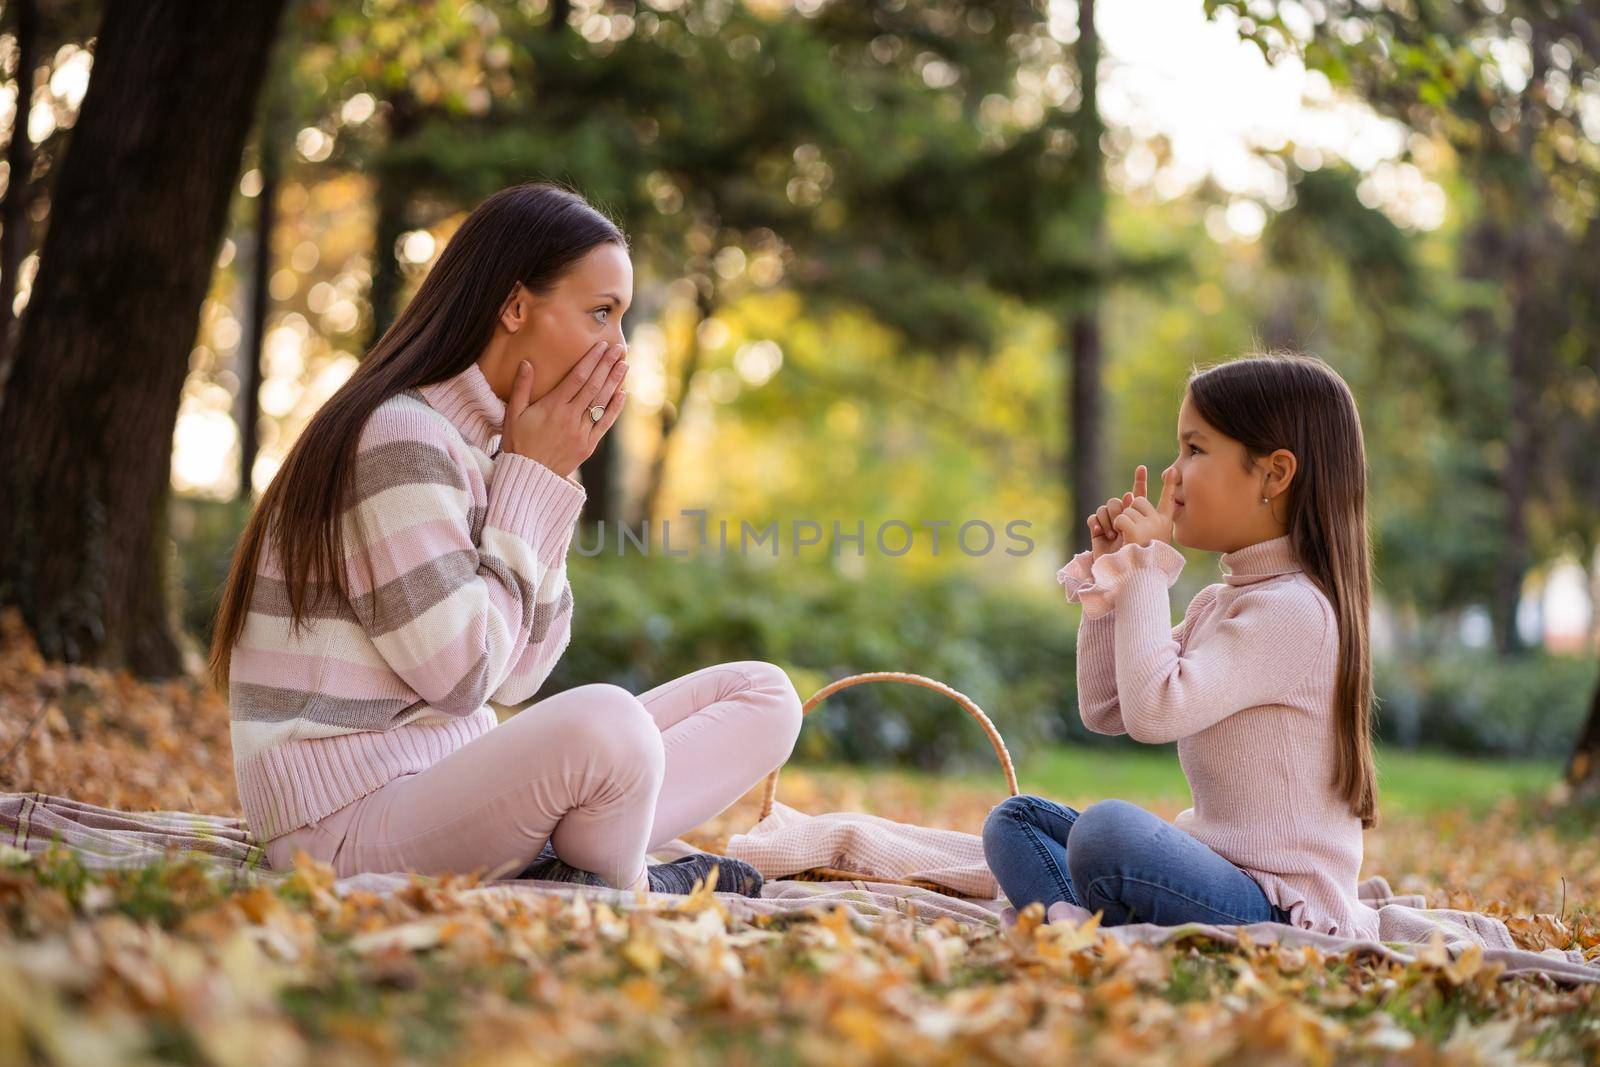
x: 514, y: 312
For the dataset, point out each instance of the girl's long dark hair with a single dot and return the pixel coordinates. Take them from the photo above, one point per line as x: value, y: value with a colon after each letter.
x: 1298, y: 402
x: 531, y: 233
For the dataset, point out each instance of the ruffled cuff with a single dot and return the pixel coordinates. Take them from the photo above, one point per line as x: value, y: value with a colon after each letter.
x: 1075, y: 573
x: 1094, y: 582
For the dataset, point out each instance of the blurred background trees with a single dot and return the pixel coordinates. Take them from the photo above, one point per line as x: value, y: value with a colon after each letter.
x: 138, y: 204
x: 1508, y: 92
x: 897, y: 261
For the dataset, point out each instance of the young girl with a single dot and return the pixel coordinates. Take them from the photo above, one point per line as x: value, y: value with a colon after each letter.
x: 1265, y: 685
x: 408, y: 563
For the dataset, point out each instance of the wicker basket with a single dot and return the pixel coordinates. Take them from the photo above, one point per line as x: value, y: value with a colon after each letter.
x: 834, y: 874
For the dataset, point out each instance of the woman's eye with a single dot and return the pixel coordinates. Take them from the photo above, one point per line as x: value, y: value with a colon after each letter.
x: 603, y: 313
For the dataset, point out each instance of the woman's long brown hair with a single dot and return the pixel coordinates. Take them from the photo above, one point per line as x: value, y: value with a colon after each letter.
x: 1298, y: 402
x: 531, y: 233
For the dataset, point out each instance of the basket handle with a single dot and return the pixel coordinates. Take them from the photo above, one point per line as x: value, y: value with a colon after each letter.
x: 771, y: 794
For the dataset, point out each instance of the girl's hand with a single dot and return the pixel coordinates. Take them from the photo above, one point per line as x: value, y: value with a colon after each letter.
x: 556, y: 429
x: 1143, y: 522
x: 1103, y: 535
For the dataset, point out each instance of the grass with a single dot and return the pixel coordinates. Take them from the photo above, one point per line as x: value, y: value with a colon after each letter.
x: 1409, y: 782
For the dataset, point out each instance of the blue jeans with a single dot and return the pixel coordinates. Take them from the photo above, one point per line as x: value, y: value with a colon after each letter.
x: 1117, y: 858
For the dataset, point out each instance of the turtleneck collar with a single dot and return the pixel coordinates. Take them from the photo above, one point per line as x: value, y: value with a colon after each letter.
x: 469, y: 402
x: 1257, y: 562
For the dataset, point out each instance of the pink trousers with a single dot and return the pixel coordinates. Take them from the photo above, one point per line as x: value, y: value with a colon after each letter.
x: 606, y: 775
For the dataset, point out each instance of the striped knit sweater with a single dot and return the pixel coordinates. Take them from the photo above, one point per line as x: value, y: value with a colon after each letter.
x: 456, y: 556
x: 1245, y: 686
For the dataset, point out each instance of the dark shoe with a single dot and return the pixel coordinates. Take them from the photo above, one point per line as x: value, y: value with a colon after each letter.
x: 548, y: 867
x: 679, y: 876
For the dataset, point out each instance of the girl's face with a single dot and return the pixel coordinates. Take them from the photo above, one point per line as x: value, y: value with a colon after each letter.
x: 1218, y: 495
x: 554, y: 330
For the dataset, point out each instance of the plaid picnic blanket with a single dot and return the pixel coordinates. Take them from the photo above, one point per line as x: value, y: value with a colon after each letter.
x: 106, y: 838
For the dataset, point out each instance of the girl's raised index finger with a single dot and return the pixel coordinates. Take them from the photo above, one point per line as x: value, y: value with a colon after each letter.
x: 1141, y: 480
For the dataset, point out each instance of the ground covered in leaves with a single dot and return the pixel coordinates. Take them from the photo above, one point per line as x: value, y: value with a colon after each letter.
x: 176, y: 965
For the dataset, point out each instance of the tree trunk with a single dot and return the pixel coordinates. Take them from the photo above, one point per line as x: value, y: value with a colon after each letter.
x: 1521, y: 446
x: 86, y: 428
x: 393, y: 197
x: 1526, y: 361
x: 1083, y: 328
x: 1591, y: 570
x: 598, y: 475
x: 260, y: 305
x: 14, y: 241
x: 1583, y: 766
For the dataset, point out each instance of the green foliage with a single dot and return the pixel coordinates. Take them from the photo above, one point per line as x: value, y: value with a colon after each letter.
x: 640, y: 622
x: 1527, y: 705
x: 205, y: 534
x: 852, y: 137
x: 1486, y: 332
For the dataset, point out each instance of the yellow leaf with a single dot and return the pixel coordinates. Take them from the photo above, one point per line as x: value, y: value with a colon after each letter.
x: 643, y: 953
x: 1464, y: 966
x: 408, y: 937
x: 858, y: 1025
x: 1434, y: 953
x: 1070, y: 937
x: 644, y: 993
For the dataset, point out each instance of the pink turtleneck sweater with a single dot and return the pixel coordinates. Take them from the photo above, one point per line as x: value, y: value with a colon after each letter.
x: 1245, y: 686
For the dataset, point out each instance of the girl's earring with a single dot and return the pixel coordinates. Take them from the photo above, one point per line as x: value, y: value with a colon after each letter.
x: 1264, y: 500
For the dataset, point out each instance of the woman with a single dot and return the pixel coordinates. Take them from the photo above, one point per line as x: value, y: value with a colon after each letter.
x: 408, y: 563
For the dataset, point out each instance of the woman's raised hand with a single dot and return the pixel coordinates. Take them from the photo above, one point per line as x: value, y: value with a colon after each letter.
x: 556, y: 429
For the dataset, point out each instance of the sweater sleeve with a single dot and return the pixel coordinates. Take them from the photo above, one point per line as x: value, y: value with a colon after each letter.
x: 1098, y: 705
x: 453, y: 617
x: 552, y: 629
x: 1268, y: 643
